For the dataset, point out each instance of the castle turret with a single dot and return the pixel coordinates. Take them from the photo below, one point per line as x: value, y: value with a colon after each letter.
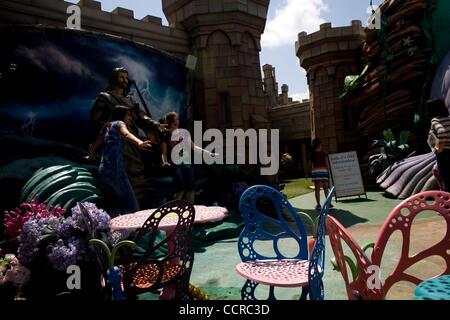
x: 270, y: 85
x: 225, y: 37
x: 284, y: 97
x: 328, y: 56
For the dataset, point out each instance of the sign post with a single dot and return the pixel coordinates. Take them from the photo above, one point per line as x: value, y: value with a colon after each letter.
x: 346, y: 175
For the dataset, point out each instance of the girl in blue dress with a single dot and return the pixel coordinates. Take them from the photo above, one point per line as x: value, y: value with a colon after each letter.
x: 113, y: 176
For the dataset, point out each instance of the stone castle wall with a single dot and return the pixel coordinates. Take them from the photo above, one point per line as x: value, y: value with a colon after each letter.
x: 328, y: 56
x: 225, y: 37
x: 120, y: 22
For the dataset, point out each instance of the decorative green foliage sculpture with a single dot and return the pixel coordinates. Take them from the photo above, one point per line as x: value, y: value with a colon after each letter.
x: 391, y: 151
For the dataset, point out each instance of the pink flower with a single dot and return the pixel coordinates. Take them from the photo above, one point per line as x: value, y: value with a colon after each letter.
x: 11, y: 259
x: 18, y: 276
x: 14, y: 220
x: 2, y: 280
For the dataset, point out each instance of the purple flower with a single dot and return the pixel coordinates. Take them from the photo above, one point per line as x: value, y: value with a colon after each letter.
x: 68, y: 228
x: 62, y: 255
x: 32, y: 232
x: 98, y: 219
x: 87, y: 221
x: 29, y: 240
x: 50, y: 224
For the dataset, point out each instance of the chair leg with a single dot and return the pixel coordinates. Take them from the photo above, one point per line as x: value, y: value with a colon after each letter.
x: 316, y: 292
x: 182, y: 286
x: 305, y: 292
x: 248, y: 290
x: 272, y: 293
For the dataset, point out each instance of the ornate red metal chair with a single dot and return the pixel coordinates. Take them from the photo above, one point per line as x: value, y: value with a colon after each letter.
x: 172, y: 271
x: 401, y: 219
x: 356, y: 283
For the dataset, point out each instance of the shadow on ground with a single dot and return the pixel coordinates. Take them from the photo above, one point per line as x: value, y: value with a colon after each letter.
x: 208, y: 234
x: 356, y: 200
x: 346, y: 218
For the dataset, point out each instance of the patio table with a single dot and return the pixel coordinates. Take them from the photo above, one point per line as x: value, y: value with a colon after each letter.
x: 133, y: 221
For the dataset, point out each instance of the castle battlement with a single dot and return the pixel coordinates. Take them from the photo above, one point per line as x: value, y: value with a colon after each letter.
x: 329, y: 41
x: 120, y: 22
x: 257, y: 8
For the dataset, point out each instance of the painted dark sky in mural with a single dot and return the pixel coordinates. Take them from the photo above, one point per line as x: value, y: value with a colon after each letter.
x: 51, y: 77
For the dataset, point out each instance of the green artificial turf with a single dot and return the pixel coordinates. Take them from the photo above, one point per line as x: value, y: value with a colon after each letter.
x: 296, y: 187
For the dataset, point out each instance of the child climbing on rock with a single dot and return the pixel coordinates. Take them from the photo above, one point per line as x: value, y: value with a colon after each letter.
x: 182, y: 174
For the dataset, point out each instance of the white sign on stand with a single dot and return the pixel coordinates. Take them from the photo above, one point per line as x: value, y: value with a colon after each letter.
x: 346, y: 175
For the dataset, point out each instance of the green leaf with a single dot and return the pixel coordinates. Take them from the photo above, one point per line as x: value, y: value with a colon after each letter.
x: 47, y: 237
x: 353, y: 267
x: 404, y: 147
x: 417, y: 118
x: 123, y: 243
x: 370, y: 245
x: 391, y: 144
x: 388, y: 135
x: 335, y: 265
x: 379, y: 143
x: 404, y: 136
x: 351, y: 82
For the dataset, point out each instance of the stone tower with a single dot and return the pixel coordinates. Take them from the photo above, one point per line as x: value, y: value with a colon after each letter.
x: 225, y: 38
x: 270, y: 85
x: 328, y: 56
x: 284, y: 97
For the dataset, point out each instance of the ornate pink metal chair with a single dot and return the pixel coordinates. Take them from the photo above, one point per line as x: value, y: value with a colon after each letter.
x: 173, y: 270
x: 356, y: 283
x: 401, y: 219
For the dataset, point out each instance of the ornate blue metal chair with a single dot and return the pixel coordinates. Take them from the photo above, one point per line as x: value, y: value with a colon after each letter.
x: 317, y: 256
x: 265, y: 212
